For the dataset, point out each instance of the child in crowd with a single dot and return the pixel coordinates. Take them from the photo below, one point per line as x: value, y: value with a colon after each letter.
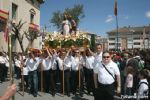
x: 143, y: 85
x: 129, y: 81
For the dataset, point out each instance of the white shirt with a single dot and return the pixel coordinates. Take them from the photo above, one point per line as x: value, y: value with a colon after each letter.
x: 2, y: 60
x: 25, y: 71
x: 129, y: 81
x: 49, y: 63
x: 103, y: 76
x: 18, y: 63
x: 76, y: 62
x: 143, y: 87
x: 7, y: 62
x: 89, y: 62
x: 66, y: 63
x: 31, y: 64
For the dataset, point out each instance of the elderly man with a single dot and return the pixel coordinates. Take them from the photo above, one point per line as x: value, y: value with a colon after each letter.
x: 106, y: 72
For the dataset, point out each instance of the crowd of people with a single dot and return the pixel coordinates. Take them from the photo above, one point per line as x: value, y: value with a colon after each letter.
x: 72, y: 71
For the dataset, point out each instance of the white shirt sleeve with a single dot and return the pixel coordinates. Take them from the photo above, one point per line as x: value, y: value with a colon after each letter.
x: 95, y: 69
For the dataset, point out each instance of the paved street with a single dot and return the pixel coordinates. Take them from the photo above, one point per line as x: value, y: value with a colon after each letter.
x: 42, y: 96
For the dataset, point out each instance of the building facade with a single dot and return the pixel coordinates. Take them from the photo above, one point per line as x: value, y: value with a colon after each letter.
x: 27, y: 11
x: 103, y: 41
x: 129, y: 38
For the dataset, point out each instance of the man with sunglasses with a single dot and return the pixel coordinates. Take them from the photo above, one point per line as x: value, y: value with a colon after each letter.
x: 104, y: 78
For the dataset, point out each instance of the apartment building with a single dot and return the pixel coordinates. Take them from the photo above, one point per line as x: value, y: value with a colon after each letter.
x: 27, y: 11
x: 129, y: 38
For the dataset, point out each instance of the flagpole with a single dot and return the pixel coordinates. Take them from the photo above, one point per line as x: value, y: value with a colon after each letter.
x: 116, y: 14
x: 117, y: 33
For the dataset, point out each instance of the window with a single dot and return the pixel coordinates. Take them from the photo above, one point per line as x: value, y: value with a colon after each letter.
x: 14, y: 11
x: 111, y: 38
x: 111, y: 43
x: 31, y: 18
x: 136, y: 43
x: 137, y: 38
x: 32, y: 15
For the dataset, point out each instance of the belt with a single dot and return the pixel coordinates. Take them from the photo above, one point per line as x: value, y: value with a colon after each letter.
x: 100, y: 84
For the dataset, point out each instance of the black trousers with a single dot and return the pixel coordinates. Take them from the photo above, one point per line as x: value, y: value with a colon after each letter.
x: 46, y: 81
x: 104, y: 92
x: 1, y: 72
x: 75, y: 81
x: 89, y: 80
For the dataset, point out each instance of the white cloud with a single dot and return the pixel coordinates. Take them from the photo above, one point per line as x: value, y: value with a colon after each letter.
x: 109, y: 19
x: 147, y: 14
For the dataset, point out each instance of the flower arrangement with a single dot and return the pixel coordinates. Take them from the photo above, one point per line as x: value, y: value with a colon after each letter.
x: 66, y: 41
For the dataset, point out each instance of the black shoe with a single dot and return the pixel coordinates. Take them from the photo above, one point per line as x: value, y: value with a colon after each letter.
x: 74, y: 93
x: 53, y: 95
x: 89, y: 92
x: 35, y: 95
x: 68, y: 94
x: 81, y: 94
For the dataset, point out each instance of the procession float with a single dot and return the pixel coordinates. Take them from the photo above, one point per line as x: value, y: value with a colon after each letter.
x: 57, y: 41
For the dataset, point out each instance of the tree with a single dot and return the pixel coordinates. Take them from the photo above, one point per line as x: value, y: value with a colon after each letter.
x: 17, y: 34
x: 31, y: 35
x: 93, y: 45
x: 76, y: 12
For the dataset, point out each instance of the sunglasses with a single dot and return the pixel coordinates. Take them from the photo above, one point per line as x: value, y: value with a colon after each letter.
x: 106, y: 56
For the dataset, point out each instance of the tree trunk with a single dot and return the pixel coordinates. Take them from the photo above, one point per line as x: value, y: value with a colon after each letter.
x: 20, y: 42
x: 29, y: 45
x: 21, y: 46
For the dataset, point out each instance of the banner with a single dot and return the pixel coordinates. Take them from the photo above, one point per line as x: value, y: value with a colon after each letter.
x: 115, y: 8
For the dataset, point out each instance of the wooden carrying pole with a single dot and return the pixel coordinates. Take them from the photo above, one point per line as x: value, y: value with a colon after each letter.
x: 22, y: 75
x: 10, y: 61
x: 63, y: 80
x: 41, y: 77
x: 79, y: 78
x: 22, y: 82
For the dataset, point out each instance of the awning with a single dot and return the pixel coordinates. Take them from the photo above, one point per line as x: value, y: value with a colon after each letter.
x: 4, y: 15
x: 3, y: 19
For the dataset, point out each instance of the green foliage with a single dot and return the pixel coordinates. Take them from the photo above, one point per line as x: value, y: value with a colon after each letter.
x: 79, y: 42
x: 54, y: 43
x: 57, y: 19
x: 68, y: 43
x: 93, y: 45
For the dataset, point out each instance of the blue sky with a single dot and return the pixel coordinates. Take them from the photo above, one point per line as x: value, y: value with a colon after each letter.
x: 99, y: 14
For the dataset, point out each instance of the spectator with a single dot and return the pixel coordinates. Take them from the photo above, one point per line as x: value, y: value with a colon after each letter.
x: 9, y: 92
